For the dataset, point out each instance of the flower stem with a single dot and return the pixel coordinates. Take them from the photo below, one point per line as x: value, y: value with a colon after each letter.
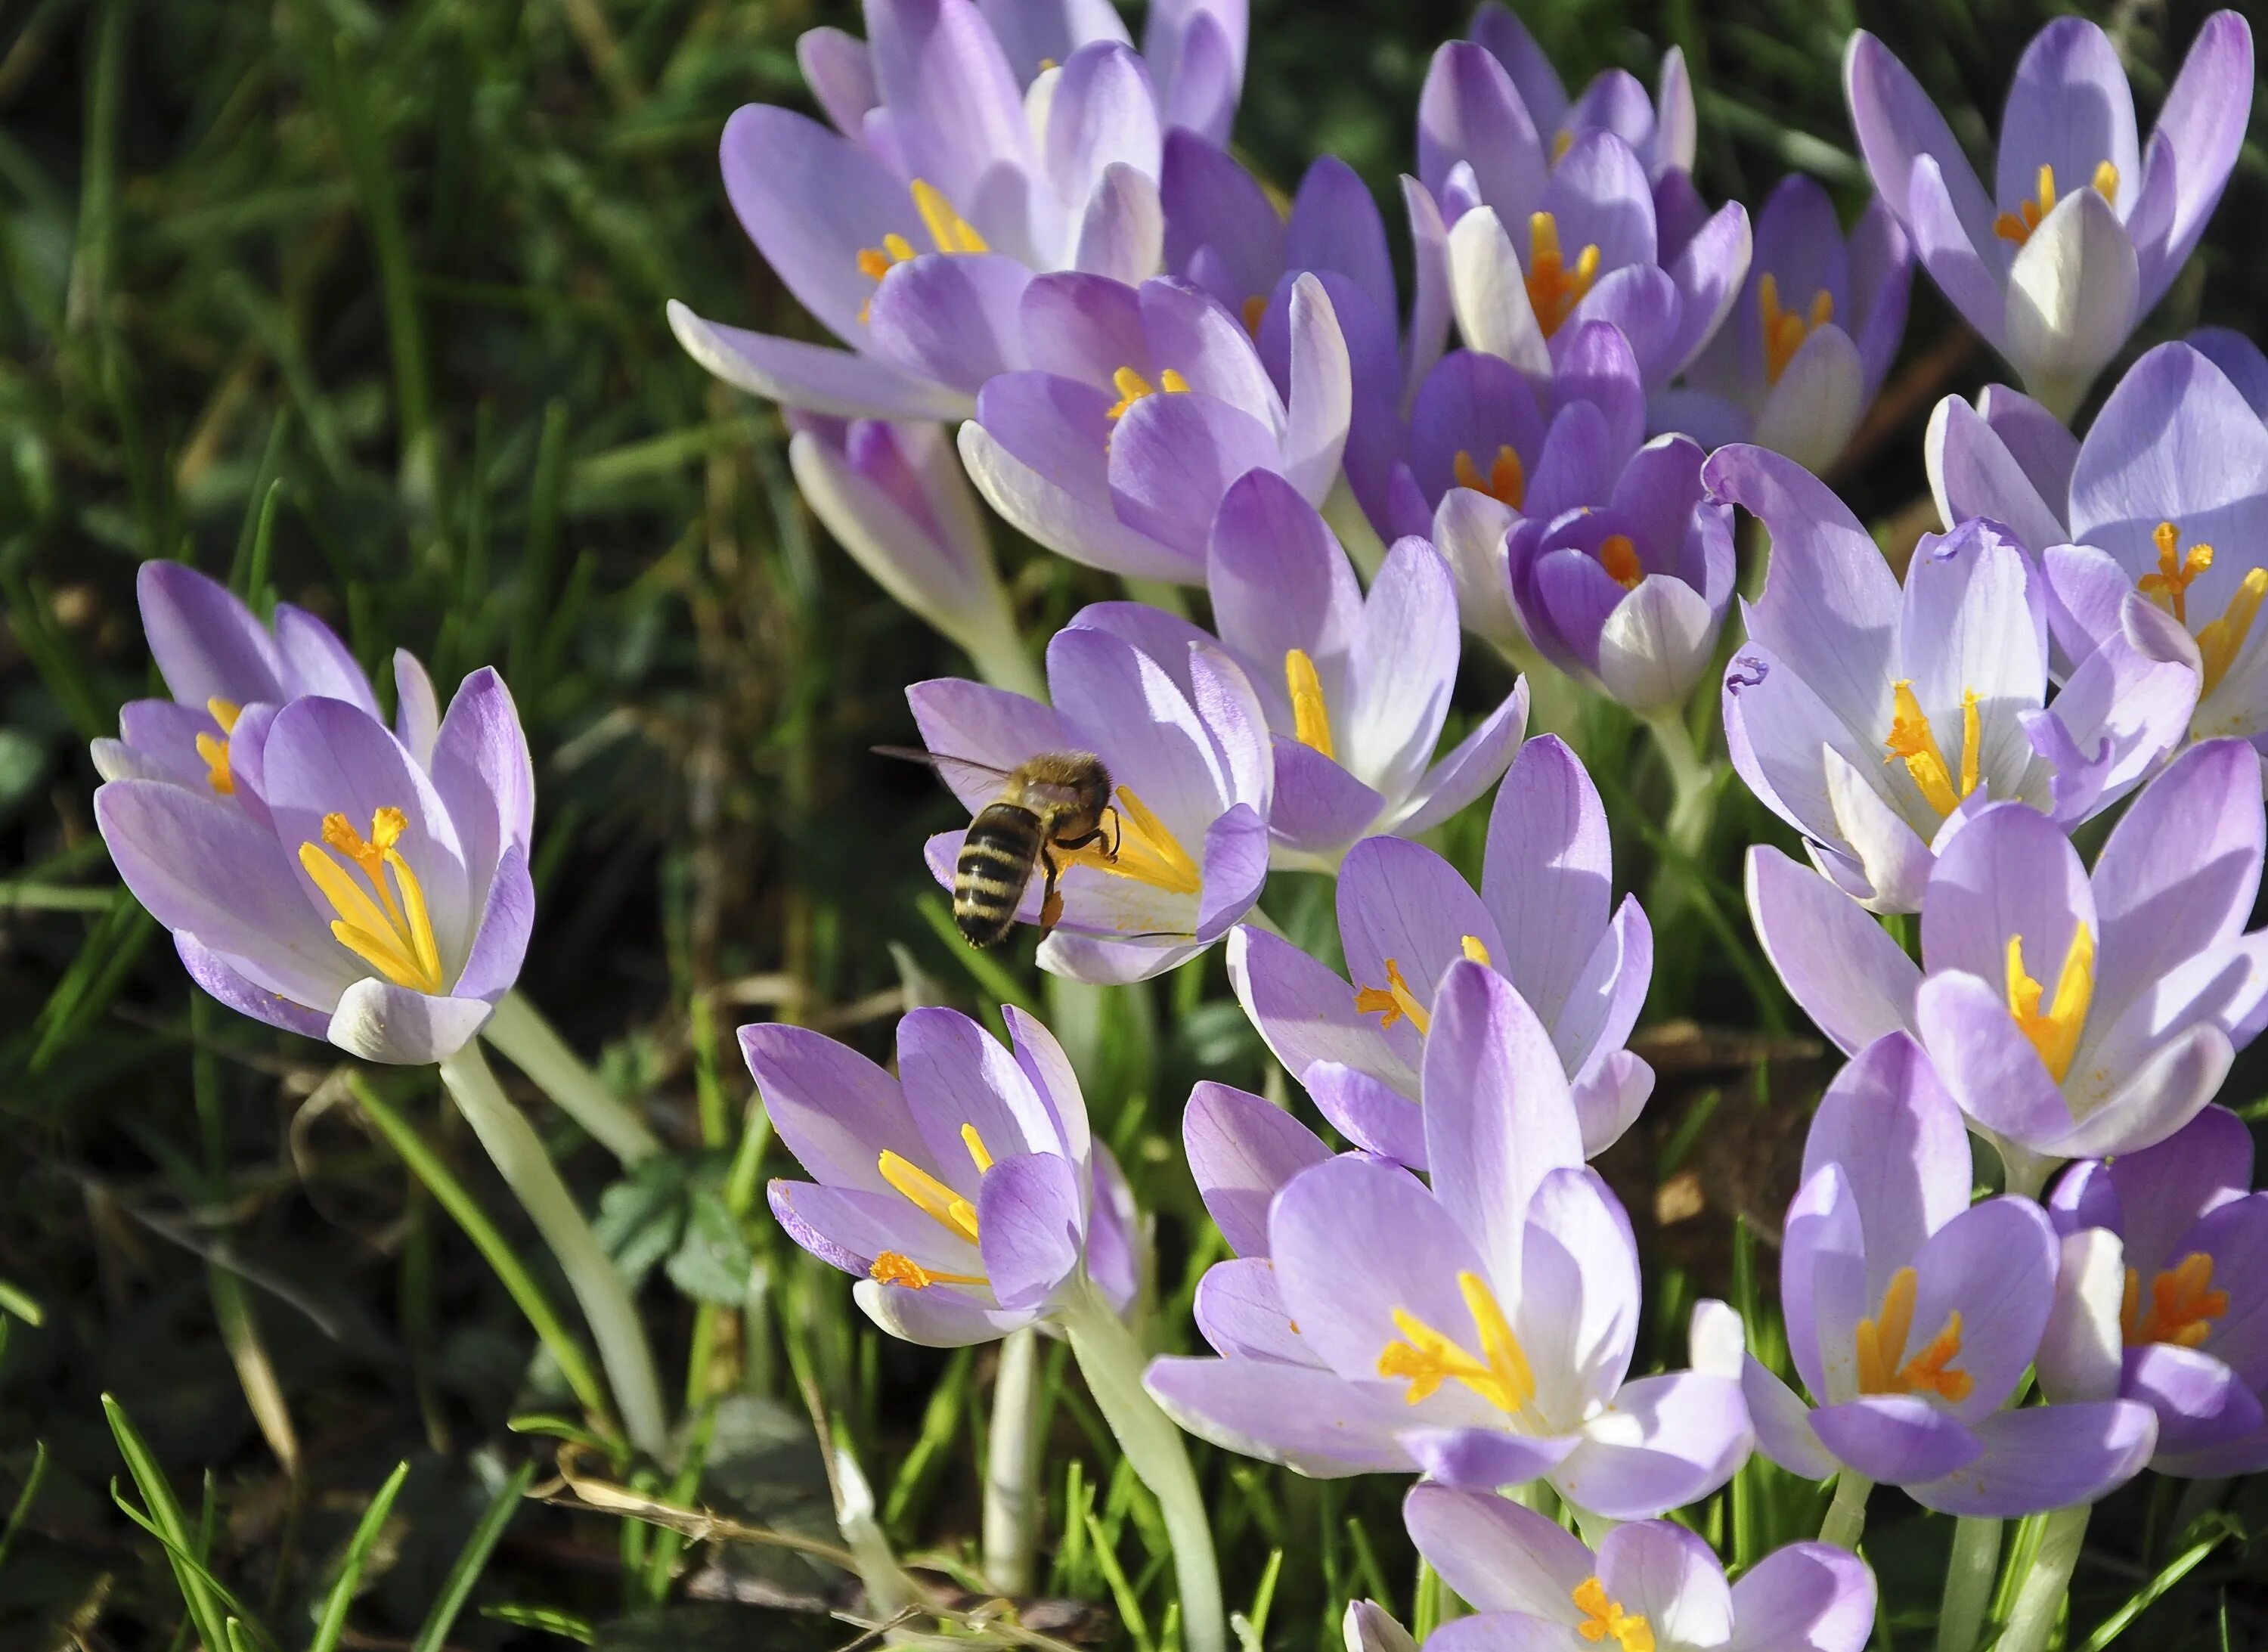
x: 1112, y: 1363
x: 1011, y: 1467
x: 999, y: 652
x: 2040, y: 1597
x: 526, y: 1169
x: 1847, y: 1515
x: 2023, y: 1171
x: 1968, y: 1583
x: 524, y: 1039
x: 1693, y: 791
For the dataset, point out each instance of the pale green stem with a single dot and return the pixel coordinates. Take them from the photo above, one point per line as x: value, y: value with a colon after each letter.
x: 2023, y: 1171
x: 1159, y: 593
x: 1693, y: 790
x: 1344, y: 514
x: 1112, y: 1363
x: 1594, y: 1528
x: 1437, y: 1603
x: 518, y: 1154
x: 1011, y: 1467
x: 2041, y: 1596
x: 997, y: 650
x: 1076, y: 1011
x: 523, y: 1037
x: 1968, y: 1583
x: 1847, y: 1515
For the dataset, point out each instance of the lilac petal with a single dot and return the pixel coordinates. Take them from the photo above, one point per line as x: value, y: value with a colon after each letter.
x: 2082, y: 1350
x: 1489, y: 292
x: 1897, y: 125
x: 1401, y: 903
x: 1321, y: 399
x: 1497, y: 1555
x: 2073, y: 297
x: 1809, y: 1594
x: 956, y: 1078
x: 2132, y: 1095
x: 1336, y: 226
x: 1811, y: 412
x: 1610, y: 1093
x: 2202, y: 123
x: 1103, y: 114
x: 1641, y: 302
x: 380, y: 1022
x: 315, y: 661
x: 162, y: 735
x: 1600, y: 197
x: 1369, y: 1111
x: 1579, y: 1293
x: 1994, y: 1264
x: 835, y: 1110
x: 1947, y: 245
x: 2160, y: 1190
x: 1896, y: 1439
x: 840, y: 74
x: 1279, y: 579
x: 1776, y: 730
x: 952, y: 319
x: 1548, y: 874
x: 1050, y: 1072
x: 984, y: 727
x: 1823, y: 1286
x: 1319, y: 807
x: 1660, y: 1571
x: 482, y: 770
x: 1708, y: 273
x: 1469, y: 111
x: 1667, y: 1441
x: 1430, y: 300
x: 1483, y: 1459
x: 1596, y: 364
x: 1235, y: 865
x: 1473, y: 404
x: 1241, y: 1151
x: 1203, y: 76
x: 2042, y: 1458
x: 849, y: 1229
x: 207, y: 644
x: 811, y: 377
x: 416, y: 712
x: 954, y: 102
x: 499, y: 940
x: 1783, y: 1425
x: 2069, y: 107
x: 2008, y: 873
x: 1306, y: 1013
x: 1298, y: 1415
x: 1498, y: 27
x: 1470, y: 769
x: 1656, y: 644
x: 1897, y: 1136
x: 1986, y: 1061
x: 221, y: 977
x: 1172, y: 458
x: 2200, y: 1402
x: 1368, y: 1627
x: 1241, y: 1315
x: 1850, y: 978
x: 1031, y: 1228
x: 1401, y: 667
x: 1211, y: 201
x: 1565, y: 601
x: 1882, y: 276
x: 1501, y: 1632
x: 1896, y: 861
x: 937, y: 1317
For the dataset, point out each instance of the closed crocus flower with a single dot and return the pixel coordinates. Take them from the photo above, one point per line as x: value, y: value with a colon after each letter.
x: 1662, y: 131
x: 965, y: 1193
x: 960, y: 163
x: 2083, y: 228
x: 1536, y: 1587
x: 2162, y: 1297
x: 2070, y: 1015
x: 339, y: 885
x: 1815, y: 331
x: 1355, y: 686
x: 1875, y: 720
x: 1141, y: 406
x: 1913, y: 1316
x: 1184, y: 851
x: 1544, y: 918
x: 1480, y: 1329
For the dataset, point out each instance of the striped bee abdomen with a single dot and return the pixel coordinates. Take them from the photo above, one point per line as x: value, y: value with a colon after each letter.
x: 996, y: 862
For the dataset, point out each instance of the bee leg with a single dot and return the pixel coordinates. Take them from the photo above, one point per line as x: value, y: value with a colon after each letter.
x: 1050, y: 903
x: 1118, y: 833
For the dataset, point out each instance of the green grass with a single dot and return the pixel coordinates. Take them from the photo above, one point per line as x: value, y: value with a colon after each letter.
x: 360, y: 306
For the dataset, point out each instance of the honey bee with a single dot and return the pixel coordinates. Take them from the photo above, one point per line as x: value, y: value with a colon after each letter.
x: 1057, y: 800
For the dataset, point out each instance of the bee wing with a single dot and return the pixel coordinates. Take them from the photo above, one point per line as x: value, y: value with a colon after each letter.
x: 975, y: 783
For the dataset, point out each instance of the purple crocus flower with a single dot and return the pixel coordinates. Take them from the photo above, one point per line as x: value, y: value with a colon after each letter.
x: 342, y: 884
x: 972, y: 147
x: 2084, y: 229
x: 2162, y: 1296
x: 2168, y: 520
x: 1479, y: 1330
x: 1185, y: 742
x: 1814, y: 330
x: 1661, y: 132
x: 1355, y: 687
x: 1912, y: 1316
x: 1243, y: 1151
x: 965, y: 1193
x: 1545, y: 919
x: 2071, y: 1017
x: 1536, y: 1587
x: 1875, y: 720
x: 1141, y: 406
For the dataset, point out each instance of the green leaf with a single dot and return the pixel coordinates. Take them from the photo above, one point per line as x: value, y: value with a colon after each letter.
x: 473, y: 1559
x: 712, y: 1259
x: 333, y: 1620
x: 168, y: 1521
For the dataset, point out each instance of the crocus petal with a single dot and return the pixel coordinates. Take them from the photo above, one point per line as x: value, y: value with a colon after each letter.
x: 1239, y: 1311
x: 1490, y: 292
x: 937, y: 1317
x: 2074, y: 294
x: 1369, y: 1111
x: 1656, y: 644
x: 1994, y: 1265
x: 1577, y: 1315
x: 1897, y: 125
x: 1809, y: 1595
x: 1078, y: 524
x: 1783, y: 1425
x: 2069, y: 108
x: 1483, y: 1459
x: 1470, y: 769
x: 380, y: 1022
x: 315, y: 661
x: 1031, y: 1228
x: 1894, y: 1130
x: 220, y: 977
x: 2200, y: 1401
x: 2008, y: 873
x: 1947, y: 245
x: 1660, y: 1571
x: 1469, y: 112
x: 1321, y: 399
x: 1896, y: 1439
x: 1306, y: 1013
x: 1667, y: 1441
x: 1494, y: 1553
x: 811, y: 376
x: 1299, y: 1415
x: 1986, y: 1061
x: 1810, y: 414
x: 1241, y: 1151
x: 835, y: 1110
x: 2202, y: 124
x: 207, y: 644
x: 2042, y: 1458
x: 1849, y: 975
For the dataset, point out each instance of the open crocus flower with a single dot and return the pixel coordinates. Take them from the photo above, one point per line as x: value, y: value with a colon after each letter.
x: 1661, y: 132
x: 1875, y: 720
x: 1536, y: 1587
x: 2084, y: 229
x: 1481, y: 1330
x: 961, y: 162
x: 1545, y: 919
x: 1538, y: 241
x: 342, y: 884
x: 1912, y: 1316
x: 1141, y: 405
x: 2163, y: 1294
x: 1355, y: 687
x: 1185, y: 744
x: 1815, y: 331
x: 2071, y: 1017
x: 965, y: 1193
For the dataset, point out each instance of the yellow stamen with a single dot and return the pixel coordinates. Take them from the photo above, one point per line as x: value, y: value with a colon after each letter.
x: 1553, y: 289
x: 1602, y: 1617
x: 1132, y: 387
x: 977, y: 1153
x: 894, y: 1267
x: 1393, y: 1001
x: 952, y: 233
x: 2169, y: 585
x: 1256, y: 308
x: 1046, y: 63
x: 1785, y: 330
x: 2182, y: 1304
x: 1425, y: 1358
x: 1507, y: 479
x: 2017, y: 226
x: 1911, y: 739
x: 394, y: 934
x: 2220, y: 641
x: 1146, y: 850
x: 2054, y: 1033
x: 933, y: 1197
x: 1472, y: 947
x: 1881, y: 1345
x: 1311, y: 718
x: 2106, y: 181
x: 1561, y: 143
x: 1619, y: 557
x: 214, y: 747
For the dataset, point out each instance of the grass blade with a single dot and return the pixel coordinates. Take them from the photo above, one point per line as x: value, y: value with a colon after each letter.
x: 333, y: 1620
x: 472, y: 1561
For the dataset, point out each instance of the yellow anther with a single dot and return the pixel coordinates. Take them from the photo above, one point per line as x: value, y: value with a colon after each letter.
x: 1913, y: 742
x: 1602, y: 1617
x: 933, y: 1197
x: 1145, y: 850
x: 214, y: 747
x: 1393, y: 1001
x: 1255, y: 309
x: 2054, y: 1032
x: 1785, y: 330
x: 978, y: 1154
x: 393, y: 933
x: 2178, y: 570
x: 2017, y: 226
x: 1132, y: 387
x: 1881, y: 1346
x: 1553, y: 289
x: 2220, y: 641
x: 2106, y: 181
x: 2182, y: 1308
x: 1311, y: 718
x: 1561, y: 141
x: 1046, y: 63
x: 895, y: 1267
x: 1474, y: 949
x: 1619, y: 557
x: 1507, y: 479
x: 1425, y: 1358
x: 952, y: 233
